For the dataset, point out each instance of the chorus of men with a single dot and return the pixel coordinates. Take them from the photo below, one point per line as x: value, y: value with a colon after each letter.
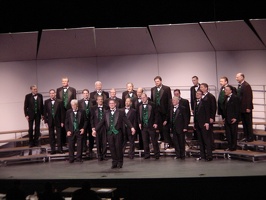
x: 103, y: 119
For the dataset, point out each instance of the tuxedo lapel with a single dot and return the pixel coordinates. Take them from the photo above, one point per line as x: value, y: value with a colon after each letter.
x: 69, y: 93
x: 177, y: 112
x: 72, y: 117
x: 129, y: 113
x: 116, y: 117
x: 55, y: 106
x: 140, y: 111
x: 149, y: 110
x: 108, y: 118
x: 161, y: 92
x: 79, y: 116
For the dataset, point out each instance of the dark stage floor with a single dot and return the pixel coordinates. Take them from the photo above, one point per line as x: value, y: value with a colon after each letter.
x: 165, y: 178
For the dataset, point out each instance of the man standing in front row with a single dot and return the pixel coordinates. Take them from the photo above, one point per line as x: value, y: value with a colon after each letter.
x: 178, y: 122
x: 161, y: 95
x: 33, y: 110
x: 113, y: 120
x: 66, y: 94
x: 86, y: 104
x: 54, y: 117
x: 75, y: 124
x: 231, y: 114
x: 244, y: 92
x: 147, y: 120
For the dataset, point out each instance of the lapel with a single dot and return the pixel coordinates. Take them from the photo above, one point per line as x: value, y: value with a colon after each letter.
x: 108, y: 118
x: 154, y: 93
x: 49, y: 104
x: 69, y: 93
x: 177, y: 112
x: 161, y: 92
x: 61, y: 93
x: 149, y: 110
x: 79, y: 116
x: 72, y: 117
x: 55, y: 105
x: 116, y: 117
x: 97, y: 111
x: 140, y: 111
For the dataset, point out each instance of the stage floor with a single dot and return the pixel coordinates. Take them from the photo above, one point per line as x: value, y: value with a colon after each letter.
x: 138, y: 168
x: 139, y: 179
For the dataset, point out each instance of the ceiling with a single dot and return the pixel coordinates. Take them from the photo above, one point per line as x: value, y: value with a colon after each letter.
x: 25, y: 16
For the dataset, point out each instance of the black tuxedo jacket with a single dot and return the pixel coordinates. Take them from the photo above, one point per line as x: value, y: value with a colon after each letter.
x: 81, y: 118
x: 222, y: 99
x: 152, y: 114
x: 202, y: 113
x: 82, y: 105
x: 232, y: 108
x: 119, y: 120
x: 212, y: 102
x: 131, y: 116
x: 119, y: 102
x: 94, y: 115
x: 59, y: 112
x: 246, y: 97
x: 136, y: 103
x: 93, y: 96
x: 180, y: 120
x: 125, y: 95
x: 165, y: 96
x: 193, y: 96
x: 71, y: 93
x: 29, y: 105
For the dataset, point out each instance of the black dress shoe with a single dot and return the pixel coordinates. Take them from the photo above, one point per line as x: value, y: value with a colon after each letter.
x: 53, y: 152
x: 243, y: 140
x: 79, y: 160
x: 177, y: 157
x: 228, y: 149
x: 147, y: 157
x: 114, y: 166
x: 183, y: 158
x: 157, y: 158
x: 104, y: 158
x: 71, y: 161
x: 209, y: 159
x: 250, y: 140
x: 100, y: 159
x: 61, y: 151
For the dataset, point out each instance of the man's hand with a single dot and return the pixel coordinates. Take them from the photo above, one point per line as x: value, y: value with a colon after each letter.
x: 27, y: 118
x: 155, y: 126
x: 81, y: 131
x: 140, y: 126
x: 211, y: 120
x: 207, y: 126
x: 93, y: 133
x: 164, y: 123
x: 133, y: 131
x: 62, y: 124
x: 233, y: 121
x: 68, y: 133
x: 248, y: 110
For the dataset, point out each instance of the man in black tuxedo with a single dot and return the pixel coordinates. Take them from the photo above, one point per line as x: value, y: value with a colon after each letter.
x: 135, y: 104
x: 98, y: 92
x: 130, y: 93
x: 86, y: 104
x: 113, y: 120
x: 202, y: 117
x: 231, y: 114
x: 75, y: 124
x: 245, y: 95
x: 182, y: 102
x: 161, y: 95
x: 207, y: 96
x: 33, y: 110
x: 128, y: 136
x: 178, y: 123
x: 119, y: 102
x: 66, y: 94
x: 193, y: 90
x: 54, y: 117
x: 97, y: 113
x: 147, y: 120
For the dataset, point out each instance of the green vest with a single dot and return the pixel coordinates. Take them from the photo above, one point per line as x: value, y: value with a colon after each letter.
x: 157, y: 97
x: 75, y: 122
x: 100, y: 113
x: 65, y: 98
x: 238, y: 90
x: 87, y: 106
x: 35, y: 105
x: 112, y: 125
x: 145, y: 116
x: 53, y: 109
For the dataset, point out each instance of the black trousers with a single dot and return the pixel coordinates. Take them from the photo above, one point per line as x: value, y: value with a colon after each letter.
x: 247, y: 125
x: 53, y: 141
x: 160, y: 126
x: 101, y: 143
x: 128, y: 137
x: 88, y: 136
x: 179, y: 144
x: 149, y: 134
x: 115, y: 142
x: 205, y: 141
x: 34, y: 138
x: 76, y: 137
x: 231, y: 134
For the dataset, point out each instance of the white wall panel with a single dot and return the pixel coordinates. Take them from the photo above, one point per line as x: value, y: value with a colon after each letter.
x: 82, y: 73
x: 117, y: 71
x: 15, y: 79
